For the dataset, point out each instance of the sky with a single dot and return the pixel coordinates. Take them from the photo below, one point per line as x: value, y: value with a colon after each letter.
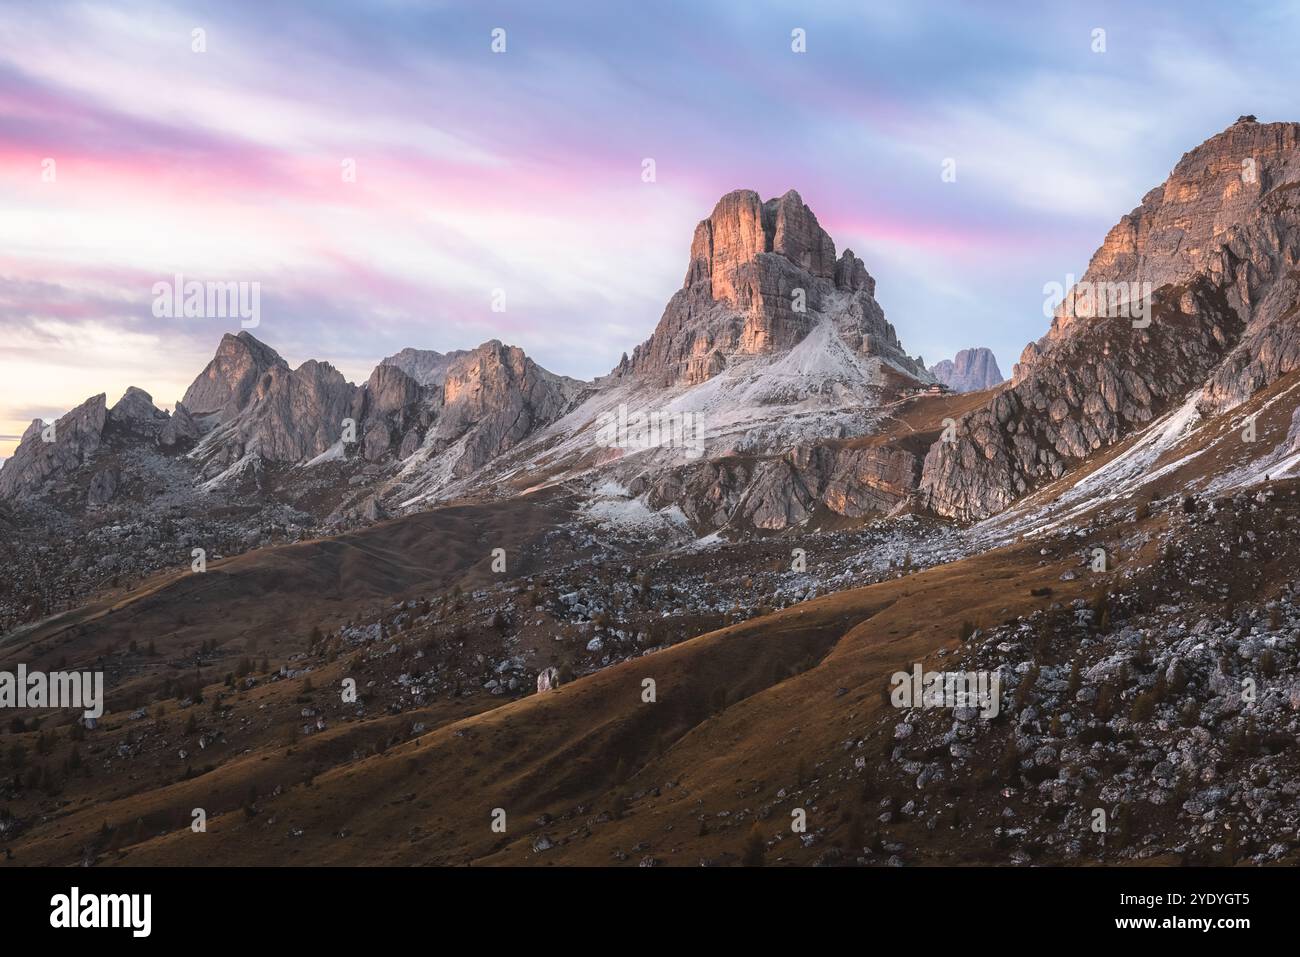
x: 387, y: 178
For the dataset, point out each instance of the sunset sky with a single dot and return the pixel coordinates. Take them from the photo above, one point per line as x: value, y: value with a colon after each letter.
x: 521, y: 170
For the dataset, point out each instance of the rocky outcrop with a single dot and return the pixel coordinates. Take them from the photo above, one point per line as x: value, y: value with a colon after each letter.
x: 290, y: 416
x: 779, y: 492
x: 858, y: 481
x: 973, y: 370
x: 396, y: 413
x: 136, y: 412
x: 493, y: 398
x: 742, y: 228
x: 1099, y: 384
x: 225, y: 386
x: 548, y: 679
x: 103, y: 486
x: 389, y: 390
x: 425, y: 366
x: 45, y: 452
x: 372, y: 511
x: 760, y: 276
x: 179, y: 429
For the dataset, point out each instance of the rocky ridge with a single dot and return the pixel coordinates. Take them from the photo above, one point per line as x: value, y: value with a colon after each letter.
x: 44, y: 452
x: 1217, y: 246
x: 425, y: 366
x: 780, y: 350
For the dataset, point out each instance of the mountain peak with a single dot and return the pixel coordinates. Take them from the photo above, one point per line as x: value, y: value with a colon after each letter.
x: 1194, y: 291
x: 226, y: 383
x: 1226, y: 212
x: 971, y: 370
x: 742, y: 227
x: 73, y: 439
x: 135, y: 409
x: 761, y: 275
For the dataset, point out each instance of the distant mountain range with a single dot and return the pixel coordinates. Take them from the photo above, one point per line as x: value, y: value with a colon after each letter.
x: 773, y: 342
x: 779, y: 357
x: 972, y: 370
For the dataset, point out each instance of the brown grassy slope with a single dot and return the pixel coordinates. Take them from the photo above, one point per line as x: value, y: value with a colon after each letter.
x: 916, y: 422
x: 618, y: 777
x: 572, y: 753
x: 279, y: 592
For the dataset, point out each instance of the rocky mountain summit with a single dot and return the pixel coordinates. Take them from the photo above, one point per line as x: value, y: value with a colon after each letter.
x: 1196, y: 289
x: 761, y: 276
x: 225, y: 385
x: 772, y: 348
x: 972, y: 370
x: 491, y: 399
x: 1229, y: 211
x: 45, y: 451
x: 1103, y: 383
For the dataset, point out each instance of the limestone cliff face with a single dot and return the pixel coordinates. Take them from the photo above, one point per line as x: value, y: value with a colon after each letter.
x: 494, y: 397
x: 75, y: 438
x: 290, y: 416
x: 224, y: 387
x: 779, y: 492
x: 972, y: 370
x: 760, y: 275
x: 1229, y: 211
x: 425, y: 366
x: 1099, y: 384
x: 1219, y: 244
x: 396, y: 412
